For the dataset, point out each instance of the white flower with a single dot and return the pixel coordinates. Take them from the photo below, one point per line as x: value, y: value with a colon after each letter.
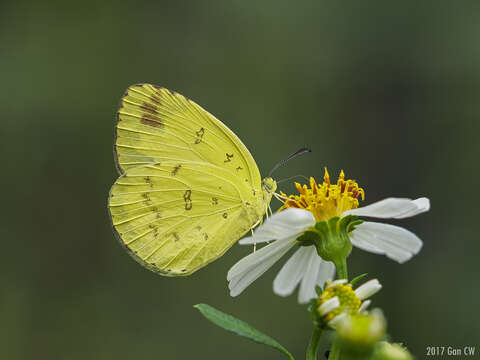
x: 320, y: 203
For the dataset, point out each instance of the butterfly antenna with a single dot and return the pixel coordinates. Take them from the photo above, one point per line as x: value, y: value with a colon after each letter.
x: 288, y: 158
x: 292, y: 177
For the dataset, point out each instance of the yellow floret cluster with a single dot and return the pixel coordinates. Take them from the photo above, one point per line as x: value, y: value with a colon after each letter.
x: 327, y: 200
x: 349, y: 302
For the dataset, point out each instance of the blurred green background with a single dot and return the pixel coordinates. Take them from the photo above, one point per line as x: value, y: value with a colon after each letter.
x: 387, y: 91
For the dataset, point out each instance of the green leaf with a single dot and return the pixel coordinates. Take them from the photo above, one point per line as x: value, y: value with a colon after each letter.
x: 358, y: 278
x: 239, y: 327
x: 318, y: 290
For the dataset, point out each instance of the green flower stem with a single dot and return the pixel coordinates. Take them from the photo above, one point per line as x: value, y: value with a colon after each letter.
x: 334, y: 351
x: 342, y: 269
x: 313, y: 345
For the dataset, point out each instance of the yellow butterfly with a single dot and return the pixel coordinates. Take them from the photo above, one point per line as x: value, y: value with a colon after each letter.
x: 188, y: 187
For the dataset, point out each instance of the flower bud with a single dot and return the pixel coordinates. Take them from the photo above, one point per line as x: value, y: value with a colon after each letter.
x: 387, y: 351
x: 359, y: 333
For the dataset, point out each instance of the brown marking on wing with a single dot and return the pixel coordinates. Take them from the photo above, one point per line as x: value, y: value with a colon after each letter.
x: 152, y: 109
x: 151, y: 120
x: 188, y: 200
x: 229, y: 157
x: 199, y: 134
x: 175, y: 169
x: 155, y: 99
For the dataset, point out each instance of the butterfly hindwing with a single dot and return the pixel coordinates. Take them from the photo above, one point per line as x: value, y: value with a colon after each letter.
x: 175, y: 217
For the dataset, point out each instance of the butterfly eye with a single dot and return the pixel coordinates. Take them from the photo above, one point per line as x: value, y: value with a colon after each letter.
x: 269, y: 184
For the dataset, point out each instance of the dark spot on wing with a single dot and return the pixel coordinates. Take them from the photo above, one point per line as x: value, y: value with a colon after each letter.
x: 214, y: 201
x: 154, y: 229
x: 148, y: 181
x: 175, y: 235
x: 239, y: 168
x: 155, y: 99
x: 151, y: 120
x: 188, y: 200
x: 225, y: 215
x: 205, y: 236
x: 150, y: 108
x: 199, y: 134
x: 175, y: 169
x: 229, y: 157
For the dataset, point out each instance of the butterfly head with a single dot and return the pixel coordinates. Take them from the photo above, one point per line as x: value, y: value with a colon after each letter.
x: 269, y: 185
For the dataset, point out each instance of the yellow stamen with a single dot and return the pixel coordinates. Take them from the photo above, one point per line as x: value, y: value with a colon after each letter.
x: 326, y: 201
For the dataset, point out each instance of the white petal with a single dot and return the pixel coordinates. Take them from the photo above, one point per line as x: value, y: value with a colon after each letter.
x: 251, y: 267
x: 258, y: 256
x: 337, y: 319
x: 326, y: 271
x: 364, y: 305
x: 368, y: 289
x: 336, y: 282
x: 307, y: 286
x: 392, y: 208
x: 396, y: 242
x: 329, y: 305
x: 280, y: 225
x: 292, y: 272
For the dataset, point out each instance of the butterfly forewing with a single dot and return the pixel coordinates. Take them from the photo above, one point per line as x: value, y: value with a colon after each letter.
x: 156, y: 124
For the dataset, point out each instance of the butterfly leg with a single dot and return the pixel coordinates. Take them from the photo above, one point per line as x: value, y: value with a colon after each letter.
x: 280, y: 198
x: 251, y: 230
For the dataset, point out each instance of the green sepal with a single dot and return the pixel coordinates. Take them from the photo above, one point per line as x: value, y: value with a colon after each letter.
x: 312, y: 309
x: 317, y: 320
x: 308, y: 238
x: 351, y: 221
x: 318, y: 290
x: 357, y: 279
x: 239, y: 327
x: 325, y: 226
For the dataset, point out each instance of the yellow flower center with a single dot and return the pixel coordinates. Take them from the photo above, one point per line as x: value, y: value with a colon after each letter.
x: 327, y: 200
x: 349, y: 302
